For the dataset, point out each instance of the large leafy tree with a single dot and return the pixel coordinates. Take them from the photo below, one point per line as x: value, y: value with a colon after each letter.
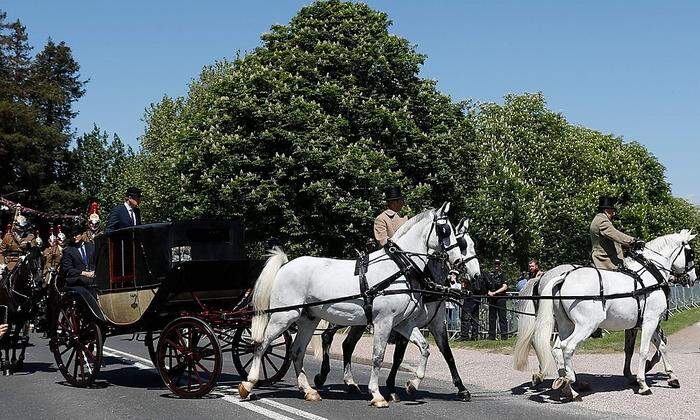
x: 37, y: 95
x: 300, y: 137
x: 102, y: 163
x: 540, y: 177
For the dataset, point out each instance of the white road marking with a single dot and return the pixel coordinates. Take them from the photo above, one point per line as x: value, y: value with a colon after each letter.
x: 146, y: 364
x: 248, y: 405
x: 292, y: 410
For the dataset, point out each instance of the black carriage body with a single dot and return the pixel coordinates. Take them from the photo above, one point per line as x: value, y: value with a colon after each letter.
x: 147, y: 275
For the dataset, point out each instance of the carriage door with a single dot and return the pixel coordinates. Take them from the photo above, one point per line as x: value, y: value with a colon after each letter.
x: 120, y: 303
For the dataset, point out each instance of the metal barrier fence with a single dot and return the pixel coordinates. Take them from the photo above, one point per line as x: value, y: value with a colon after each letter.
x: 680, y: 298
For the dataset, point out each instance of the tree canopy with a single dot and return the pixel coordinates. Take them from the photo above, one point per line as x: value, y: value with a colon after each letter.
x: 300, y: 137
x: 37, y: 95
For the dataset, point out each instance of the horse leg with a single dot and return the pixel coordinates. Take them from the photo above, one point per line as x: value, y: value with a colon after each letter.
x: 648, y: 328
x: 326, y: 341
x: 630, y: 339
x: 658, y: 337
x: 568, y: 347
x: 400, y: 346
x: 662, y: 348
x: 382, y: 330
x: 277, y: 324
x: 416, y: 337
x: 354, y: 336
x: 439, y: 330
x: 306, y: 330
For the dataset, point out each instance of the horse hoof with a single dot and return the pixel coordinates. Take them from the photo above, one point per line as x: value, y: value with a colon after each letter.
x: 243, y: 391
x: 558, y: 383
x: 379, y: 403
x: 312, y: 395
x: 318, y: 381
x: 353, y: 389
x: 464, y: 396
x: 410, y: 391
x: 537, y: 379
x: 649, y: 365
x: 394, y: 397
x: 645, y: 392
x: 577, y: 399
x: 673, y: 383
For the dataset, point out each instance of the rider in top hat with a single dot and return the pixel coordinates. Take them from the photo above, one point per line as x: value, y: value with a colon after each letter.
x: 127, y: 214
x: 16, y: 242
x: 606, y: 241
x: 389, y: 221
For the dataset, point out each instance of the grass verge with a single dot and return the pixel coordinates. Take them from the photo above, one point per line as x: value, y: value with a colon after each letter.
x: 609, y: 343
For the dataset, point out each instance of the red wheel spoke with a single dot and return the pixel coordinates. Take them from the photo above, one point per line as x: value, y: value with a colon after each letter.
x: 204, y: 368
x: 176, y: 346
x: 275, y: 354
x: 264, y: 369
x: 70, y: 358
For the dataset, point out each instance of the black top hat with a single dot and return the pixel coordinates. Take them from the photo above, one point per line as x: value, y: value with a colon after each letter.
x: 134, y: 193
x: 607, y: 203
x: 393, y: 193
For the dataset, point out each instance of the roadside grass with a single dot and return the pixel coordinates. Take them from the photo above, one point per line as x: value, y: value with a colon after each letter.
x: 609, y: 343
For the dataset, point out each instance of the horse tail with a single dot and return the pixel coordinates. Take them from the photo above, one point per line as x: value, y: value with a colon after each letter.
x: 544, y: 326
x: 263, y: 291
x: 526, y: 326
x: 316, y: 342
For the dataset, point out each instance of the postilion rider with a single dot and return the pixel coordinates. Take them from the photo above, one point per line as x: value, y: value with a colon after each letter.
x: 389, y: 221
x: 16, y: 242
x: 606, y: 240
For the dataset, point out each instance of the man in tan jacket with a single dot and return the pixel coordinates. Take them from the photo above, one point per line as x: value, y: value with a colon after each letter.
x: 606, y: 241
x: 389, y: 221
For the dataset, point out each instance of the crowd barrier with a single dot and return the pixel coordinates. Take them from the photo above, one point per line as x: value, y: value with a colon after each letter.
x: 680, y: 299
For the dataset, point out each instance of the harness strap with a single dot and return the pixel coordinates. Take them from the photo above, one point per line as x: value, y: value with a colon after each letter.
x: 361, y: 271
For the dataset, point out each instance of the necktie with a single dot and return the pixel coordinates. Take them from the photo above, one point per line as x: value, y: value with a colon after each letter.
x: 132, y: 216
x: 83, y: 254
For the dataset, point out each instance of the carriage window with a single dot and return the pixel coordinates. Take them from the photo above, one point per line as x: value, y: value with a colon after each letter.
x: 181, y: 254
x: 122, y: 262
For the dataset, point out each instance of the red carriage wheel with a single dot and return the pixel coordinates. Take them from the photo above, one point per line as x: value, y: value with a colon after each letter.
x: 76, y: 342
x: 188, y: 357
x: 275, y: 361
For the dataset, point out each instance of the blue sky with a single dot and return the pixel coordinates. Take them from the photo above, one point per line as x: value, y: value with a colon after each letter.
x: 628, y: 68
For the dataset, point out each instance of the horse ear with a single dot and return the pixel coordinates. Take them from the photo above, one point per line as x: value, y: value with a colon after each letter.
x: 460, y: 224
x: 445, y: 209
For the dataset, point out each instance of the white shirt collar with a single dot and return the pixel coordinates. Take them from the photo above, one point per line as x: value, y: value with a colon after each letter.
x: 128, y: 207
x: 390, y: 212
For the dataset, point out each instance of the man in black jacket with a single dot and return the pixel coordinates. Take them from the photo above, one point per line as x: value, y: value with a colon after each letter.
x: 78, y: 263
x: 498, y: 285
x: 127, y: 214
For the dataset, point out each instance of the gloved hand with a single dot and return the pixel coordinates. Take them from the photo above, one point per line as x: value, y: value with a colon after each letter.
x: 638, y: 244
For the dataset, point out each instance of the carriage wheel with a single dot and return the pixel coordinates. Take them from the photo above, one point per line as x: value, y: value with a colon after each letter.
x: 275, y: 361
x: 76, y: 342
x: 151, y: 340
x: 189, y: 357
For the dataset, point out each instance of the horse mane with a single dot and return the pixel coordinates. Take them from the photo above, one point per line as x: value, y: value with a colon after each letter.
x: 411, y: 222
x: 669, y: 242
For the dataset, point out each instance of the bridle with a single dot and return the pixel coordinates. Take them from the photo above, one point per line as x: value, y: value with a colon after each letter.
x: 689, y: 253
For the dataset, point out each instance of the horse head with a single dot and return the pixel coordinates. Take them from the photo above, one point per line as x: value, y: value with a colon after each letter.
x: 683, y: 265
x: 468, y: 264
x: 442, y: 237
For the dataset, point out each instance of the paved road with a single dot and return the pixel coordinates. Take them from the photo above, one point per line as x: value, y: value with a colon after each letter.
x: 129, y: 387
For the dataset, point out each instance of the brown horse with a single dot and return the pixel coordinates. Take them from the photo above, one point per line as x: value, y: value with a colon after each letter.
x: 19, y: 292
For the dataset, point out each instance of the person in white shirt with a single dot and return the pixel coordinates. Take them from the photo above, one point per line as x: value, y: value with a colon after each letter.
x: 127, y: 214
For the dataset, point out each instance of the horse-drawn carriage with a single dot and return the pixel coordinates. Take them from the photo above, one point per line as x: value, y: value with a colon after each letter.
x: 187, y: 286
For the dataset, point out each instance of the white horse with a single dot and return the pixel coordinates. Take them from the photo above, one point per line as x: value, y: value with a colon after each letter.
x: 434, y: 320
x: 310, y: 279
x: 578, y: 319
